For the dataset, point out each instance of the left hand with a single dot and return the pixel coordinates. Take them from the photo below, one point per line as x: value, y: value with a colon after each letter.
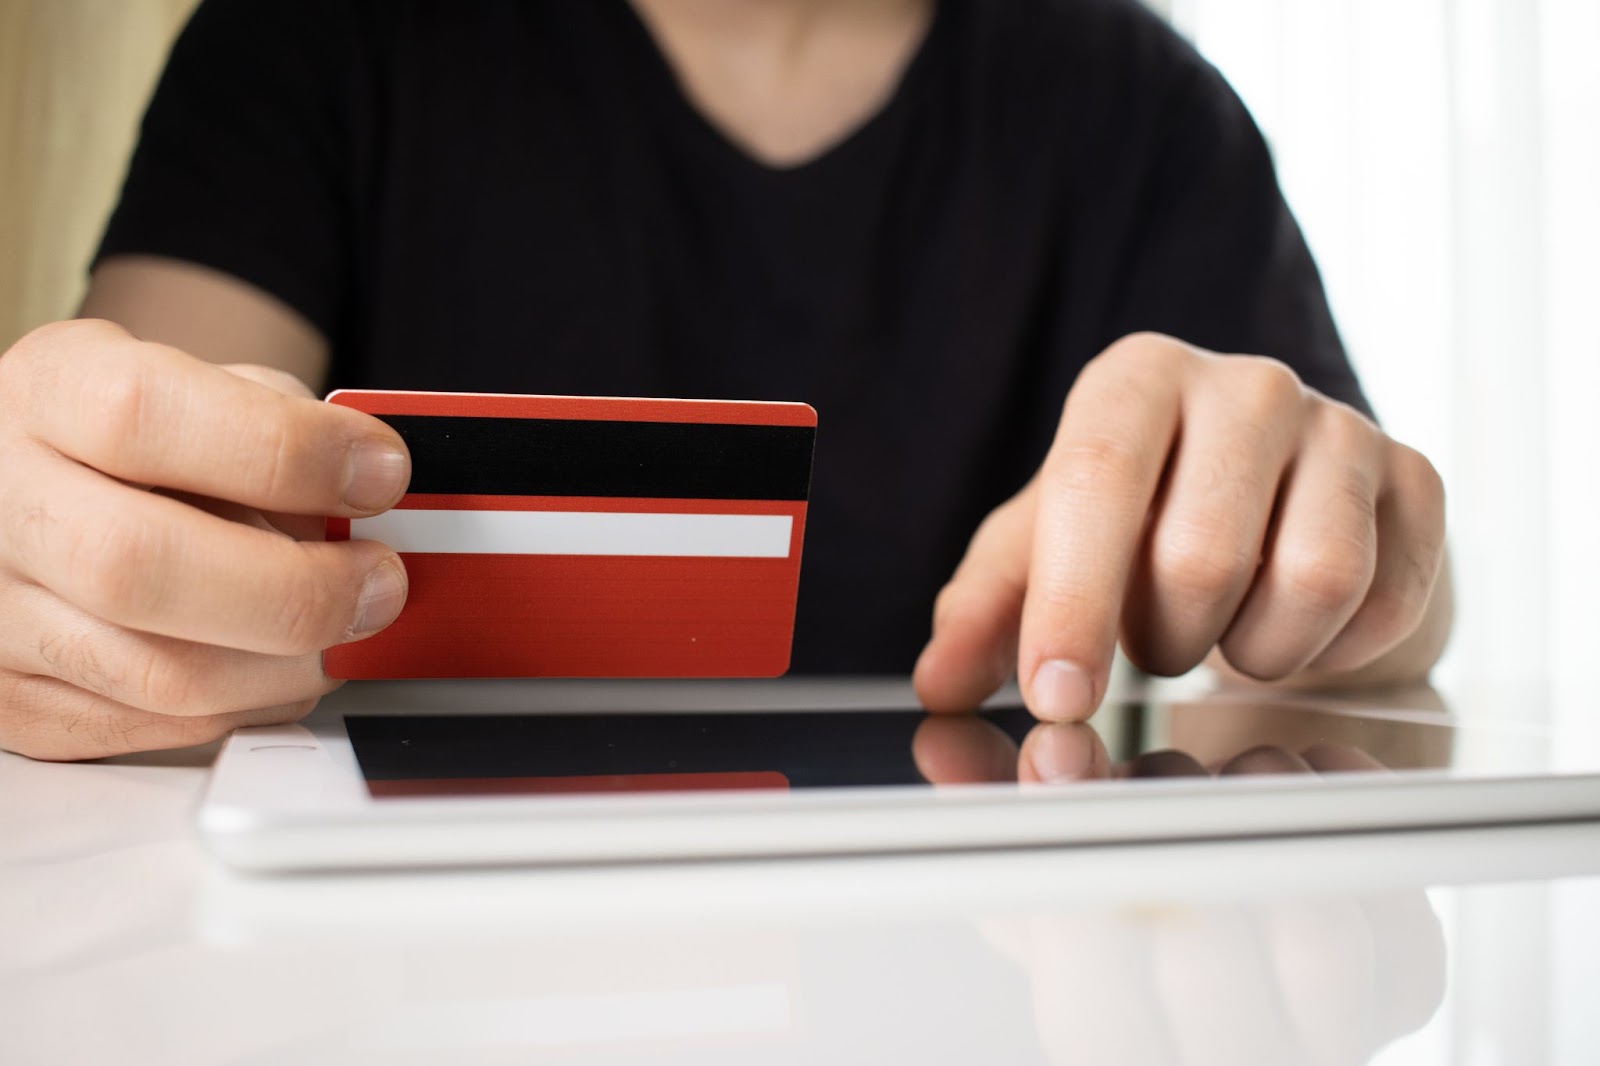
x: 1190, y: 501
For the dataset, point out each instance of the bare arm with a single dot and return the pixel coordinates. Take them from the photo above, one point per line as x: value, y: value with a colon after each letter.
x: 207, y: 314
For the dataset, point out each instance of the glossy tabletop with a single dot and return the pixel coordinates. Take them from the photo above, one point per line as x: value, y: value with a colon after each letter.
x: 122, y: 942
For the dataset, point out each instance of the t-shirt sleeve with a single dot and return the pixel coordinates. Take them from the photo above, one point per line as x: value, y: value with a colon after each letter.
x: 1215, y: 256
x: 244, y: 160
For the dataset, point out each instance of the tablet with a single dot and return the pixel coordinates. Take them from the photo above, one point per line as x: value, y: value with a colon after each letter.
x: 403, y: 774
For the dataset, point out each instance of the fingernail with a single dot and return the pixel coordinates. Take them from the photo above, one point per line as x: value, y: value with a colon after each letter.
x: 381, y: 599
x: 1062, y: 691
x: 375, y: 474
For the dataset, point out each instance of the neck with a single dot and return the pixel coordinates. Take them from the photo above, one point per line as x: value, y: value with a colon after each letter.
x: 768, y: 22
x: 785, y: 79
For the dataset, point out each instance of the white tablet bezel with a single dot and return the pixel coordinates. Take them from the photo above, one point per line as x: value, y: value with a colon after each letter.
x: 292, y: 797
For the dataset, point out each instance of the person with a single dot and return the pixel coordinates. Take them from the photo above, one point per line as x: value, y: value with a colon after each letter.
x: 996, y: 243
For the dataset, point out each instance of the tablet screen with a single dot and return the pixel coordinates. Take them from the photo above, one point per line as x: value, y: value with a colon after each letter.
x: 479, y: 754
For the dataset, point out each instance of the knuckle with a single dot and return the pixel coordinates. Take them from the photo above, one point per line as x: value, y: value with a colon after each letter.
x: 46, y: 341
x: 1229, y: 478
x: 285, y: 449
x: 276, y: 470
x: 117, y: 413
x: 115, y: 568
x: 77, y: 659
x: 1122, y: 373
x: 101, y: 734
x: 1395, y: 608
x: 1357, y: 498
x: 1329, y: 575
x: 168, y: 685
x: 1204, y: 562
x: 1389, y: 615
x: 1264, y: 384
x: 30, y: 527
x: 1421, y: 573
x: 77, y: 330
x: 23, y: 362
x: 1417, y: 474
x: 1095, y: 464
x: 1146, y: 352
x: 1348, y: 431
x: 311, y: 611
x: 1257, y: 663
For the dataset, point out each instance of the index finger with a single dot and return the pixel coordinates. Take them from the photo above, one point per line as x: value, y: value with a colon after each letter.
x: 152, y: 415
x: 1095, y: 490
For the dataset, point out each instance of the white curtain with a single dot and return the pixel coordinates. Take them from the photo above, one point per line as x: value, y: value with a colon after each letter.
x: 1443, y: 157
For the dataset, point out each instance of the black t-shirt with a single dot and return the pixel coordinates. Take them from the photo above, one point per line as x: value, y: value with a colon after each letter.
x: 515, y: 196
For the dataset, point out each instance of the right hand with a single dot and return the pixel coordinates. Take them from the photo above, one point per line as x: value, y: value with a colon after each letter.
x: 163, y: 577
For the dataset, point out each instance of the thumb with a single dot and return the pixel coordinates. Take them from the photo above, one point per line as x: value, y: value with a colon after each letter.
x: 978, y: 614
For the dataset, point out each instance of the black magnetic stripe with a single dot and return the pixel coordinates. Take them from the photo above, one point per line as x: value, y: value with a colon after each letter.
x: 563, y: 457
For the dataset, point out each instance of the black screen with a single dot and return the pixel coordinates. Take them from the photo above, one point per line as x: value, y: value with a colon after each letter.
x: 447, y: 754
x: 466, y: 754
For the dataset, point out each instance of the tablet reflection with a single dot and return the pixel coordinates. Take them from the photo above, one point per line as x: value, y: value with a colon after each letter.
x: 1217, y: 736
x: 1328, y: 979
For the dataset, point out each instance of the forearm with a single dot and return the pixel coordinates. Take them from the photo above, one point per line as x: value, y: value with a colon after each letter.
x: 207, y: 314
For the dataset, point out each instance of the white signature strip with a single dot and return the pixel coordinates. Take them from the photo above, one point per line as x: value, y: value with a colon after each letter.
x: 748, y: 536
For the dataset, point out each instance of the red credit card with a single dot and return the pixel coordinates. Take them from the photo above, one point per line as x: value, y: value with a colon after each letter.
x: 577, y: 536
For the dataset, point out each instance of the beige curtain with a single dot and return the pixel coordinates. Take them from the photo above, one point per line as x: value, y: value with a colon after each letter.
x: 74, y: 77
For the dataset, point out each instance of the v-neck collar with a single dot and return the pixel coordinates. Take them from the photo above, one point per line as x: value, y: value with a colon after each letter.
x: 668, y: 87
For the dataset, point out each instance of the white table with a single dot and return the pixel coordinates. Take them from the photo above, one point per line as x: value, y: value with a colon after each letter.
x: 122, y: 943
